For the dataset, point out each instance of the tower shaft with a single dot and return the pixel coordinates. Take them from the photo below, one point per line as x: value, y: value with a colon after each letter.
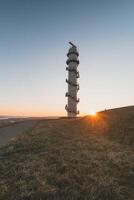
x: 73, y: 86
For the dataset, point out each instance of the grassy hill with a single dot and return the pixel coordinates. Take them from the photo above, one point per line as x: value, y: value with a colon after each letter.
x: 91, y: 158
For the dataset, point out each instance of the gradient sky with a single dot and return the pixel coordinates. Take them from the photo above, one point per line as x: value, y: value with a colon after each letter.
x: 34, y: 37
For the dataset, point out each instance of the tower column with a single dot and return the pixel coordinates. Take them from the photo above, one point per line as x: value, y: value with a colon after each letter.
x: 73, y: 86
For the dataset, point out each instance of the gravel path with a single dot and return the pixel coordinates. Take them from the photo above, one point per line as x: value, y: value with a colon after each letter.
x: 9, y: 132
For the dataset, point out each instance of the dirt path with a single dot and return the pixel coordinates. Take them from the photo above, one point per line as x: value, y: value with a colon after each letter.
x: 9, y: 132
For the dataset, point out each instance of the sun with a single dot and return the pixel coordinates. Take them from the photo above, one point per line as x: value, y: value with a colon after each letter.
x: 93, y: 113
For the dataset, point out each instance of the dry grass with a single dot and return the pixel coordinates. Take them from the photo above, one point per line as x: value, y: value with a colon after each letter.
x: 86, y: 159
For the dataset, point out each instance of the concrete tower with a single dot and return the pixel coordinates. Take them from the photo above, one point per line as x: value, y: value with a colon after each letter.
x: 73, y: 86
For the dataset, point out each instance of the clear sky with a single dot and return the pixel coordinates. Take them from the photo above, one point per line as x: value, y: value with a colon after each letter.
x: 34, y: 37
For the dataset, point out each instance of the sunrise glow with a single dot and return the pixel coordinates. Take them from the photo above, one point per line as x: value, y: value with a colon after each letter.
x: 93, y: 113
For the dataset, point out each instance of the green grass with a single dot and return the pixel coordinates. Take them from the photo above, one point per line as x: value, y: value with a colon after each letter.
x: 87, y: 159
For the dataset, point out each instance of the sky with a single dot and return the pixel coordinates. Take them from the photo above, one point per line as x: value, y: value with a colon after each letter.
x: 34, y: 36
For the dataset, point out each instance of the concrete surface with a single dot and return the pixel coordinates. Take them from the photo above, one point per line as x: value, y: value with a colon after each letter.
x: 9, y: 132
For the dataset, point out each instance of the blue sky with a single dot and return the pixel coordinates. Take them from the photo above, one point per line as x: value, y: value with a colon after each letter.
x: 34, y: 37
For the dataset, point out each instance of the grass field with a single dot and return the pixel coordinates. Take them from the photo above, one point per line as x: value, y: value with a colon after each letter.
x: 91, y: 158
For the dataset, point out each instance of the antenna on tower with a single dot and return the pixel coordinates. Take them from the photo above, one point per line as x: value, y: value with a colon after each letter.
x: 72, y: 44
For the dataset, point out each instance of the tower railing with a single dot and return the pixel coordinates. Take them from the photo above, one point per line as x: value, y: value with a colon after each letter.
x: 73, y: 88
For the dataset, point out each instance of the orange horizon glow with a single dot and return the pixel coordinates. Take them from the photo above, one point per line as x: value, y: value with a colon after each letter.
x: 30, y: 111
x: 21, y: 112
